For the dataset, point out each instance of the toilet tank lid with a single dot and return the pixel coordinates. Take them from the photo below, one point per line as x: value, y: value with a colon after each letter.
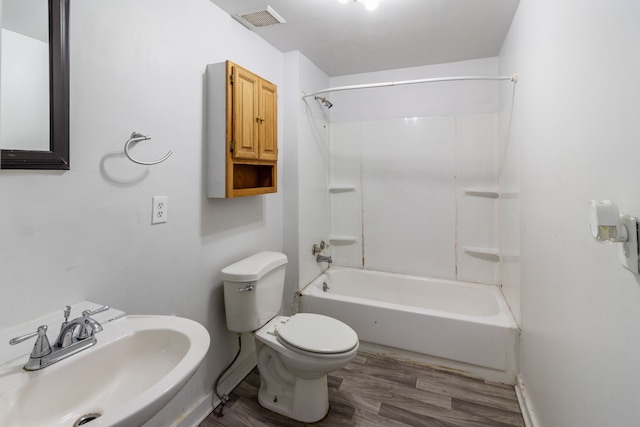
x: 253, y: 267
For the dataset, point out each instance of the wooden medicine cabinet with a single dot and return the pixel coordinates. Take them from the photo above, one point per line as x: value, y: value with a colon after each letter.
x: 242, y: 132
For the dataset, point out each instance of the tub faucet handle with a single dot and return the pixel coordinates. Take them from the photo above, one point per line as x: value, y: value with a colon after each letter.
x: 317, y: 248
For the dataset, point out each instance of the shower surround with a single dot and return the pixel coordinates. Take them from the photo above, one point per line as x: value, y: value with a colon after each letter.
x: 417, y: 196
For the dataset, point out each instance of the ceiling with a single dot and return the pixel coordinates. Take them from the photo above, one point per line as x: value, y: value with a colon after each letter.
x: 27, y: 17
x: 347, y: 38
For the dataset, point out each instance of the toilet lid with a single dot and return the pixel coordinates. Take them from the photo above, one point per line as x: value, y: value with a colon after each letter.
x: 318, y: 334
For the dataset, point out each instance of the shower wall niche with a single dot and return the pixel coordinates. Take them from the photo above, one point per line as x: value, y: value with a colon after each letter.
x: 417, y: 196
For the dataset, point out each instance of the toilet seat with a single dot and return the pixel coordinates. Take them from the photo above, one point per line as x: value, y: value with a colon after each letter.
x: 315, y: 333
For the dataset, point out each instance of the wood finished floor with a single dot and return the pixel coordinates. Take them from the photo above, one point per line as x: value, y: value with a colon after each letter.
x: 373, y: 391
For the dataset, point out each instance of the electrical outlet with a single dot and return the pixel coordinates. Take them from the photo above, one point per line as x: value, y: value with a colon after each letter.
x: 160, y: 209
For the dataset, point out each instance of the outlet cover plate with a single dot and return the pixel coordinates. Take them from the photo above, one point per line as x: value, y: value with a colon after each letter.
x: 159, y: 210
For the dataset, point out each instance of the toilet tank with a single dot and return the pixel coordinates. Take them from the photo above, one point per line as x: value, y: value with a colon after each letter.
x: 253, y: 290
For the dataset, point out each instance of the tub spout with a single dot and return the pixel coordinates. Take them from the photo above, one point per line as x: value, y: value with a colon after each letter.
x: 322, y: 258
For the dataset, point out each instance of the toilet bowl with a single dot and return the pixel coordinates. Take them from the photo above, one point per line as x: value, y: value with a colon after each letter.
x: 294, y: 353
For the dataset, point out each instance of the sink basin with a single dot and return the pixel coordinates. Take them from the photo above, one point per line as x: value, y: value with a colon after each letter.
x: 138, y: 365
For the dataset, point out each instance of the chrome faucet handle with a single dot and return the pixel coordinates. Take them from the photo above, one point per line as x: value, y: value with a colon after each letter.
x: 21, y: 338
x: 89, y: 326
x: 317, y: 248
x: 41, y: 347
x: 88, y: 313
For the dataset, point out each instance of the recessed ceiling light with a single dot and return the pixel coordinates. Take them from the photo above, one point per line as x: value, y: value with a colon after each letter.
x: 369, y: 4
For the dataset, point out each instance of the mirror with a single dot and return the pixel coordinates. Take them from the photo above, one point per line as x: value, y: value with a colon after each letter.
x: 33, y: 136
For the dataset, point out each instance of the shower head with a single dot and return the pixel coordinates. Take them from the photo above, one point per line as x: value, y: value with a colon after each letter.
x: 324, y: 101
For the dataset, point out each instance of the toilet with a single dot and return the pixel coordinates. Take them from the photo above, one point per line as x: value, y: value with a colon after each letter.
x: 294, y: 353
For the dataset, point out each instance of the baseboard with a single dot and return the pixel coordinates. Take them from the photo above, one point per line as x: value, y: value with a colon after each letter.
x: 201, y: 410
x: 196, y: 414
x: 525, y: 404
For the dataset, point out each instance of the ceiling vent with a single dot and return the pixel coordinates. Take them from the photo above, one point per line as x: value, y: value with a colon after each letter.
x: 257, y: 18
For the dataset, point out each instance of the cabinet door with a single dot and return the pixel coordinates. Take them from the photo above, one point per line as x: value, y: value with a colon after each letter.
x: 268, y: 119
x: 245, y: 92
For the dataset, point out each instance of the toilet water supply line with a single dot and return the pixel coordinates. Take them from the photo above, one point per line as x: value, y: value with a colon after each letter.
x: 512, y: 77
x: 224, y: 397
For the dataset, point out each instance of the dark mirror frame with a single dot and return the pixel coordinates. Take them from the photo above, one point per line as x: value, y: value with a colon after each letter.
x: 57, y: 158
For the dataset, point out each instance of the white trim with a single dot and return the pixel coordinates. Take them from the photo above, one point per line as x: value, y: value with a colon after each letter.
x: 526, y: 407
x: 196, y: 414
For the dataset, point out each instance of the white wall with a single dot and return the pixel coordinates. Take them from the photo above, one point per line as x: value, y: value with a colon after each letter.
x: 87, y: 233
x: 576, y: 109
x: 433, y: 99
x: 306, y: 201
x: 413, y: 153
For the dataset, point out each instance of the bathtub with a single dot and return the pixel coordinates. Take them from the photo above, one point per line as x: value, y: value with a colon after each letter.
x: 458, y: 325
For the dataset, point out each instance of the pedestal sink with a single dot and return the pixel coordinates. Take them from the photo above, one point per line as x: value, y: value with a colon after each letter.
x: 138, y: 365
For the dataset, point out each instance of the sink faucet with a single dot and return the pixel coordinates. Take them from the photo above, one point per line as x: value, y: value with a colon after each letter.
x: 322, y: 258
x: 75, y: 335
x: 78, y: 329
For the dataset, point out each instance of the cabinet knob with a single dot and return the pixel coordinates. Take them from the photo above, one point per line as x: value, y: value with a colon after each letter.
x: 260, y: 119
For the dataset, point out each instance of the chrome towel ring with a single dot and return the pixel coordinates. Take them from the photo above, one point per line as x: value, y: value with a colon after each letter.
x: 137, y: 137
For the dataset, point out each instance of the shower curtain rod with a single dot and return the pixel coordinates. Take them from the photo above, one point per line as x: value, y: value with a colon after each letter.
x: 512, y: 77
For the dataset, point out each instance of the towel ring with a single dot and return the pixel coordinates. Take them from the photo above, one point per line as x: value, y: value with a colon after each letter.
x: 136, y: 137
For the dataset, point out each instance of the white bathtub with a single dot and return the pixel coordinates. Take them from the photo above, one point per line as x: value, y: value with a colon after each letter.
x: 460, y: 325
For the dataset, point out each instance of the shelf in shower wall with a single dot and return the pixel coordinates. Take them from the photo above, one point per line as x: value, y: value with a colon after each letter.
x: 490, y: 193
x: 343, y: 240
x: 341, y: 188
x: 510, y: 256
x: 488, y: 254
x: 509, y: 194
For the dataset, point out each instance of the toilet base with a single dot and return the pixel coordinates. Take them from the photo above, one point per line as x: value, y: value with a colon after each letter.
x: 307, y: 401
